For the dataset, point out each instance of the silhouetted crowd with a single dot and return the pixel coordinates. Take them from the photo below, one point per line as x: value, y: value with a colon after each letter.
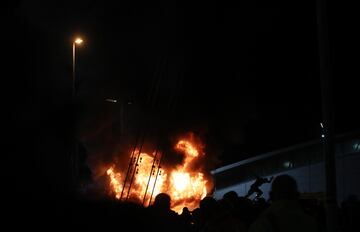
x: 284, y: 211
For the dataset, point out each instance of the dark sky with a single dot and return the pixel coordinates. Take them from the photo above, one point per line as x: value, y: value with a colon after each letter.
x: 245, y: 77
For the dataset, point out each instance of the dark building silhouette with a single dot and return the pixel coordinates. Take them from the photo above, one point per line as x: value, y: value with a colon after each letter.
x: 303, y: 161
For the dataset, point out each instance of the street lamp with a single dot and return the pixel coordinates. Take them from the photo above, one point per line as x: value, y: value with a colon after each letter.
x: 77, y: 41
x: 74, y: 158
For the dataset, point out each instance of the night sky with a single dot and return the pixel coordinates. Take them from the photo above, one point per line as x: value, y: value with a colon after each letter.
x: 244, y: 77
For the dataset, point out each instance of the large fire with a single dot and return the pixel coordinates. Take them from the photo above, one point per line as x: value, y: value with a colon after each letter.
x: 146, y: 177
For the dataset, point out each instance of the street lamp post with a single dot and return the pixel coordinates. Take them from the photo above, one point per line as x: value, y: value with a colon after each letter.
x: 76, y: 41
x: 74, y: 158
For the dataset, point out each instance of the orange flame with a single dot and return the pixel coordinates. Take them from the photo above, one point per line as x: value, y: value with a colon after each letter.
x: 186, y: 187
x: 115, y: 183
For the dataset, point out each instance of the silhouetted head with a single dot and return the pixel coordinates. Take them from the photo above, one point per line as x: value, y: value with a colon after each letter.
x: 231, y: 195
x: 284, y: 187
x: 185, y: 210
x: 163, y: 201
x: 208, y: 206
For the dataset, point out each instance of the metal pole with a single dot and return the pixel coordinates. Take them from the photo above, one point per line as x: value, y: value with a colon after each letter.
x: 152, y: 168
x: 73, y: 69
x: 129, y: 167
x: 157, y: 174
x: 73, y: 155
x: 136, y: 165
x: 327, y: 114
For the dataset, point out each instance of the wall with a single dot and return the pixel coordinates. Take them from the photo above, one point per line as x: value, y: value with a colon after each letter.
x: 311, y: 179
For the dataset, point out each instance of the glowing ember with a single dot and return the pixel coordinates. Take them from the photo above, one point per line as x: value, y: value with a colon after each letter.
x: 147, y: 178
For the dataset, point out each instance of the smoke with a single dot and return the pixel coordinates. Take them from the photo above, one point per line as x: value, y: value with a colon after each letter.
x: 108, y: 149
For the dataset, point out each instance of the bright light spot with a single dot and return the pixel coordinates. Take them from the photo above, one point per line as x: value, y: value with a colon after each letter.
x: 322, y: 126
x: 322, y: 136
x: 288, y: 164
x: 79, y: 41
x: 181, y: 180
x: 111, y: 100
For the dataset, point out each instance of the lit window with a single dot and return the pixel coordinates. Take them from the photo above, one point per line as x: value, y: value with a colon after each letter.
x: 288, y: 164
x: 356, y: 146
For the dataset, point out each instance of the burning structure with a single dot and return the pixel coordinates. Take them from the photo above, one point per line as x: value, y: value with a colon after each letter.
x: 148, y: 175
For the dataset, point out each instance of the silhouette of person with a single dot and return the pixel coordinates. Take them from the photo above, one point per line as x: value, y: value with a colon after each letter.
x: 162, y: 202
x: 254, y: 188
x: 285, y: 212
x: 163, y: 218
x: 186, y: 218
